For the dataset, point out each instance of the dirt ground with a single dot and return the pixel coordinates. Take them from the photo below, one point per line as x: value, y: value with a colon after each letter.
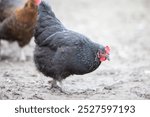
x: 121, y: 24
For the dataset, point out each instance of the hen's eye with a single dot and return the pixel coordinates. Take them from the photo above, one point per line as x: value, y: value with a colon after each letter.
x: 31, y: 5
x: 26, y: 5
x: 103, y: 52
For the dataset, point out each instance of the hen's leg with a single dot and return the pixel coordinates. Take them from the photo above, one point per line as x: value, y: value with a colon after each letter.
x: 56, y: 84
x: 22, y: 55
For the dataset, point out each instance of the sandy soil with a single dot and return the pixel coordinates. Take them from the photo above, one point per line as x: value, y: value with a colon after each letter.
x: 121, y: 24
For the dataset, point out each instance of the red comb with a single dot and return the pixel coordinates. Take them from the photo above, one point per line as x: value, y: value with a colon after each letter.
x: 37, y: 2
x: 107, y: 49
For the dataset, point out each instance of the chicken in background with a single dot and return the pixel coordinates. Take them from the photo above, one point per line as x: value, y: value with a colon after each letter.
x: 18, y: 25
x: 60, y: 52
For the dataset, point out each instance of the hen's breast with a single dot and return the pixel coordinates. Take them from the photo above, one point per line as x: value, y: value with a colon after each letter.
x: 43, y: 60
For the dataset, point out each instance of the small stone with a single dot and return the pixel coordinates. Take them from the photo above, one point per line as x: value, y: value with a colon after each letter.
x: 108, y: 88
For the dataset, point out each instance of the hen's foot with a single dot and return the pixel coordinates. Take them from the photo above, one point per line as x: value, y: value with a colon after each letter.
x: 57, y: 86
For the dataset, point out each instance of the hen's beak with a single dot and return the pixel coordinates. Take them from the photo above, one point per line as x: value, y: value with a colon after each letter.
x: 107, y: 57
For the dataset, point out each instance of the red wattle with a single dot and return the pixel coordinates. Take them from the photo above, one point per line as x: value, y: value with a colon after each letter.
x: 102, y: 59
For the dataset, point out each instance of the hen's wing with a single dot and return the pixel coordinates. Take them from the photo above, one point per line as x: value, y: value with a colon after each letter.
x: 65, y: 38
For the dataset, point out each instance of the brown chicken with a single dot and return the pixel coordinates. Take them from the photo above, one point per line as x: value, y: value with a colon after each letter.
x: 18, y: 25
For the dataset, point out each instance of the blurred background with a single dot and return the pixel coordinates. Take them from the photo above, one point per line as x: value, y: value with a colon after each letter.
x: 121, y: 24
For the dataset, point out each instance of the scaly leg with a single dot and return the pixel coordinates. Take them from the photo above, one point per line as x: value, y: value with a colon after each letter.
x: 57, y: 86
x: 22, y: 55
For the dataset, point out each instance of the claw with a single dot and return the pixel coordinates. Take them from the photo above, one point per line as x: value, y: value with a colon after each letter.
x: 57, y: 86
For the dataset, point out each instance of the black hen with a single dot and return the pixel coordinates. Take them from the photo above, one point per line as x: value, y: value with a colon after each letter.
x: 61, y: 52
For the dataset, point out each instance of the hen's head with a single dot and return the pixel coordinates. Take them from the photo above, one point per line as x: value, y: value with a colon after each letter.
x: 32, y: 4
x: 103, y: 53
